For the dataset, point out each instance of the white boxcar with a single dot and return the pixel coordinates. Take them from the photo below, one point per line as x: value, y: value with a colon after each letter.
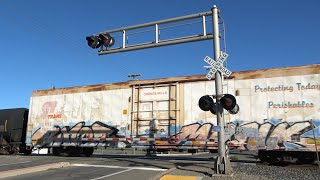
x: 279, y: 110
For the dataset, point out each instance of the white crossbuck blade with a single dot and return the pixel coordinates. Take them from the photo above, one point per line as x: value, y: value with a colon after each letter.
x: 217, y: 66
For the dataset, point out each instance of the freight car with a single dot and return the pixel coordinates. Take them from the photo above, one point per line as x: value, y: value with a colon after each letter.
x: 279, y: 117
x: 13, y: 125
x: 13, y: 128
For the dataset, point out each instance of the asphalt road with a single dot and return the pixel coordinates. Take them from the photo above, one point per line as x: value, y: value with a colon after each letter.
x: 122, y: 167
x: 87, y: 172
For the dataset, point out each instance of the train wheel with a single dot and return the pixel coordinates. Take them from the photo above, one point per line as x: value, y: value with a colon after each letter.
x: 274, y: 158
x: 305, y: 157
x: 262, y: 155
x: 74, y: 151
x: 56, y: 151
x: 27, y: 152
x: 88, y: 151
x: 14, y: 151
x: 192, y: 151
x: 78, y: 151
x: 69, y: 150
x: 213, y: 150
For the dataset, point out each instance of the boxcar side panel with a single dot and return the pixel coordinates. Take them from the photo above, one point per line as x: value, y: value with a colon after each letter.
x: 67, y: 110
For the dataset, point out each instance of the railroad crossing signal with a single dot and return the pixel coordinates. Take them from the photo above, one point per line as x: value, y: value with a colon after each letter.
x: 227, y: 101
x: 93, y: 41
x: 206, y: 103
x: 222, y: 163
x: 217, y: 66
x: 104, y: 39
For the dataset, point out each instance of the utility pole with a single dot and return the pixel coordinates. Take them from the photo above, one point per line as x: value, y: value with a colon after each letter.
x: 222, y: 162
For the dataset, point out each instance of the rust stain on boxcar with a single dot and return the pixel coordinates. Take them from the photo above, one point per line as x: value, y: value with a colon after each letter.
x: 252, y: 74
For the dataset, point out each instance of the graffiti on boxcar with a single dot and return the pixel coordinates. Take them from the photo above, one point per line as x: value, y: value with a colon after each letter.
x: 71, y: 135
x: 273, y: 134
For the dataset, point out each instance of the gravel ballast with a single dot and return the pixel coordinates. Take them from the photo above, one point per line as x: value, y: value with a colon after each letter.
x: 264, y: 172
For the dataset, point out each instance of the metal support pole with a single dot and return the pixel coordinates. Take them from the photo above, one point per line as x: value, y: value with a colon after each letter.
x: 204, y: 25
x: 123, y: 39
x: 222, y: 164
x: 157, y: 33
x: 156, y: 42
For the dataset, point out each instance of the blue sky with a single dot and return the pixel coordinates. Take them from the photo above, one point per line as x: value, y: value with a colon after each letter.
x: 43, y: 42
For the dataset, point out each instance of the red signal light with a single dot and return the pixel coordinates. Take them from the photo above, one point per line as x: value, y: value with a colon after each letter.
x: 106, y: 40
x: 228, y: 101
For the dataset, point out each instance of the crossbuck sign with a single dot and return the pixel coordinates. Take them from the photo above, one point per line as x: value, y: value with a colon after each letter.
x: 217, y: 66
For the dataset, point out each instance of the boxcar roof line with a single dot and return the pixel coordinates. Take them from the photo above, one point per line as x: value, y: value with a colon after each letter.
x: 251, y: 74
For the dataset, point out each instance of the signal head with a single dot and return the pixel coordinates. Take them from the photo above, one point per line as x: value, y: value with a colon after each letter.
x: 93, y: 41
x: 228, y: 101
x: 107, y: 40
x: 206, y: 103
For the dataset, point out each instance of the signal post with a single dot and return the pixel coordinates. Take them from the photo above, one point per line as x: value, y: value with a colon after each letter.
x: 222, y: 162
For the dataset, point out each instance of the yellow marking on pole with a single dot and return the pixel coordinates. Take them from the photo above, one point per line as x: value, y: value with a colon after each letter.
x: 173, y: 177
